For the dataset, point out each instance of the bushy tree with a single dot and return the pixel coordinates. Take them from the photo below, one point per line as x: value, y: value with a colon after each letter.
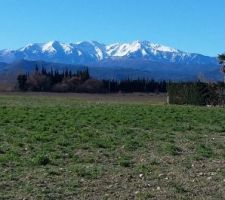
x: 22, y: 82
x: 39, y: 82
x: 221, y: 58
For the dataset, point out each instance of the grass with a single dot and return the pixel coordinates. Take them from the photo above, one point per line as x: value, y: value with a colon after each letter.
x: 55, y: 147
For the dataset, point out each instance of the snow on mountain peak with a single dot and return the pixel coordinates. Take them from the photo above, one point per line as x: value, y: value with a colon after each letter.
x: 92, y: 48
x: 143, y: 47
x: 31, y: 46
x: 67, y: 48
x: 54, y: 47
x: 163, y: 48
x: 120, y: 50
x: 49, y: 47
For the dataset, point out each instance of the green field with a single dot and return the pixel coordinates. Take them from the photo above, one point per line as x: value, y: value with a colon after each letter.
x: 62, y: 147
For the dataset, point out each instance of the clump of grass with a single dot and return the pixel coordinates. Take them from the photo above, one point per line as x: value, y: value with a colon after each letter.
x: 133, y: 144
x: 171, y: 149
x: 145, y: 169
x: 87, y: 171
x: 204, y: 151
x: 179, y: 188
x: 154, y: 162
x: 53, y: 172
x: 2, y: 151
x: 85, y: 158
x: 125, y: 161
x: 103, y: 144
x: 145, y: 195
x: 42, y: 160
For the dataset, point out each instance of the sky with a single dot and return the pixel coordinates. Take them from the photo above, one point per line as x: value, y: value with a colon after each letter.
x: 196, y: 26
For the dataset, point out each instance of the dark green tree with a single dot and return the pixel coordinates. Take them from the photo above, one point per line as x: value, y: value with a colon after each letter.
x: 221, y: 59
x: 22, y: 82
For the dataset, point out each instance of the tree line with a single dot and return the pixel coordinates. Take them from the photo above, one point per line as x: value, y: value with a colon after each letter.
x: 42, y: 80
x: 139, y: 85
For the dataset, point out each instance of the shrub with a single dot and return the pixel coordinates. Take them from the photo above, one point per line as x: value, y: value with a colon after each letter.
x: 196, y: 93
x: 38, y: 82
x: 61, y: 87
x: 91, y: 86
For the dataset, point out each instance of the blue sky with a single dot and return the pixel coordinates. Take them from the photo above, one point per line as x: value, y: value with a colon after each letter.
x: 190, y: 25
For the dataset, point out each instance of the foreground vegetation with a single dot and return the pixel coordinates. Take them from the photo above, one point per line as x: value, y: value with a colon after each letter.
x: 55, y: 147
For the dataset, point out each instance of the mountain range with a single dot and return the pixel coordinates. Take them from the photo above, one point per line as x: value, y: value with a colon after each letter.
x: 138, y: 58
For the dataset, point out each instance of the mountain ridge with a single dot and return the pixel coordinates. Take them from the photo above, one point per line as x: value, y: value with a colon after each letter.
x: 138, y: 59
x: 93, y: 52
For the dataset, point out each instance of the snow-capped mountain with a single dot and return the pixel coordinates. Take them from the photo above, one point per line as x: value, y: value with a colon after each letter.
x: 93, y: 53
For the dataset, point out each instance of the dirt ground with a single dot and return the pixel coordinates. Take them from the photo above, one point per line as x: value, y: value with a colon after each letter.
x: 110, y: 98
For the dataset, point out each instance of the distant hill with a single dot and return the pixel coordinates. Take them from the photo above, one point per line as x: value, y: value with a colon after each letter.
x: 119, y: 71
